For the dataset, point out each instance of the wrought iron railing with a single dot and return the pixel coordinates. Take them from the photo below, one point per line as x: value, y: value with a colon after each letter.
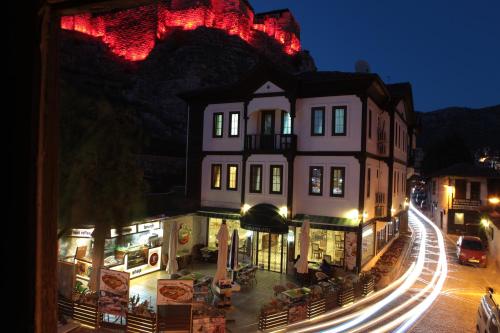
x: 271, y: 142
x: 465, y: 204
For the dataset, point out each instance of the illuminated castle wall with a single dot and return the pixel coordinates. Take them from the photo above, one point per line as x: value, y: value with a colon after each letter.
x: 132, y: 33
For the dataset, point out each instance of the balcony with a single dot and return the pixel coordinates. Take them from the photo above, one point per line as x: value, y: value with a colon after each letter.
x: 381, y: 142
x: 270, y: 143
x: 466, y: 204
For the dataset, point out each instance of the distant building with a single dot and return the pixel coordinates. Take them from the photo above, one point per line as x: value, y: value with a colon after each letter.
x: 275, y: 150
x: 490, y: 221
x: 455, y: 195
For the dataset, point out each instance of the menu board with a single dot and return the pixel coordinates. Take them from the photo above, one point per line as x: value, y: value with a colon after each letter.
x: 174, y: 292
x: 66, y: 278
x: 113, y: 292
x: 350, y: 250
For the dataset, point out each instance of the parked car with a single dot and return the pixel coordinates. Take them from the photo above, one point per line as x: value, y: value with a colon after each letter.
x: 488, y: 314
x: 470, y: 250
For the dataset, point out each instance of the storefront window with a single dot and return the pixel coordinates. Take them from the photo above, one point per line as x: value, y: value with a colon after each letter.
x: 214, y: 226
x: 368, y: 244
x: 324, y: 244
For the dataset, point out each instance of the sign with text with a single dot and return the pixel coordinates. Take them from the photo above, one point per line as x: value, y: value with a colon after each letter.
x: 174, y: 292
x: 125, y: 231
x: 148, y: 226
x: 113, y: 292
x: 83, y: 233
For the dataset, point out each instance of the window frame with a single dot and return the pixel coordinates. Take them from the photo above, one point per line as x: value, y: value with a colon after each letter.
x: 231, y: 124
x: 251, y: 188
x: 369, y: 181
x: 332, y: 169
x: 334, y: 120
x: 311, y: 168
x: 271, y: 167
x: 228, y: 179
x: 313, y: 111
x: 212, y: 178
x: 369, y: 123
x: 214, y: 125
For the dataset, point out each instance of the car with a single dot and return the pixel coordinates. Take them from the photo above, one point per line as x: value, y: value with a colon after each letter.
x: 488, y: 314
x: 470, y: 250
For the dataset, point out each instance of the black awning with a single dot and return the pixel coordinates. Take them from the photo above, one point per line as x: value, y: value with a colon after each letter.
x: 264, y: 218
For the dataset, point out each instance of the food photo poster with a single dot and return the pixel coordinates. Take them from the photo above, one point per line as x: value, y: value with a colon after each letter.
x: 174, y: 292
x: 114, y: 292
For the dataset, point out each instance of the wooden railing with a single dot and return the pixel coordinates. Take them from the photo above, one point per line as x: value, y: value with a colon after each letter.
x: 271, y: 142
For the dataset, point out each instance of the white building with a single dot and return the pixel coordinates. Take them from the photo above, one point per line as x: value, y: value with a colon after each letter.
x: 275, y: 150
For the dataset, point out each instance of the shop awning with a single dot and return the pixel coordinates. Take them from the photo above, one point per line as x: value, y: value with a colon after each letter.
x: 220, y: 213
x: 264, y: 218
x: 325, y: 222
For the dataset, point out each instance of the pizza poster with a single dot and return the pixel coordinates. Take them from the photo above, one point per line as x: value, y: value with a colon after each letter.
x: 174, y: 292
x: 113, y: 292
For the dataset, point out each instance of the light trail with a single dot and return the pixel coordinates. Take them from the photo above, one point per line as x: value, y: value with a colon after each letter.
x: 358, y: 321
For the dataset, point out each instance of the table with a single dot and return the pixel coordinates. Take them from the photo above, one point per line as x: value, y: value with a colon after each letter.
x: 225, y: 293
x: 209, y: 253
x: 192, y: 276
x: 295, y: 295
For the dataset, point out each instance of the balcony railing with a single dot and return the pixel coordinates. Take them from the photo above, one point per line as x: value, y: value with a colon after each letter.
x: 271, y: 142
x: 467, y: 204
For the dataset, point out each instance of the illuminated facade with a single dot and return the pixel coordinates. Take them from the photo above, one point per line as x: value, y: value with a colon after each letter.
x: 330, y: 148
x: 133, y: 33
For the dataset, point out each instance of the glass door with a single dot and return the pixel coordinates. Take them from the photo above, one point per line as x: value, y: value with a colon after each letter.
x: 269, y: 251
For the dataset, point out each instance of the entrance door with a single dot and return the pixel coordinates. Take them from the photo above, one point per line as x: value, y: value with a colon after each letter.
x: 267, y: 129
x: 460, y: 188
x: 269, y: 253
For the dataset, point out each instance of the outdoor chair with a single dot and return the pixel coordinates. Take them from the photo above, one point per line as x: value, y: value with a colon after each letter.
x: 278, y: 289
x: 291, y: 285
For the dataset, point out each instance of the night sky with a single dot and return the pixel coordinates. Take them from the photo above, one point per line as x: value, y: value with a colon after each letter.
x: 449, y: 50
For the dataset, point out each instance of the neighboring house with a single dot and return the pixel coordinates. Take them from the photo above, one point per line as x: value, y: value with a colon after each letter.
x: 456, y: 193
x: 275, y: 150
x: 490, y: 221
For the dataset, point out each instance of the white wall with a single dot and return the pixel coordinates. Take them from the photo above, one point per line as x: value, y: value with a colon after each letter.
x: 494, y: 248
x: 325, y: 205
x: 225, y: 143
x: 222, y: 197
x: 268, y: 103
x: 266, y: 161
x: 372, y: 143
x: 268, y: 87
x: 398, y: 198
x: 378, y: 184
x: 350, y: 142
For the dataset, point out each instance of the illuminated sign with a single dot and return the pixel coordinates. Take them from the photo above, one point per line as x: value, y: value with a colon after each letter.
x: 148, y: 226
x: 84, y: 233
x: 125, y: 231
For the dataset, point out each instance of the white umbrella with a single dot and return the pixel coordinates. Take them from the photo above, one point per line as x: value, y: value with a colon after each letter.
x: 172, y: 265
x: 301, y: 264
x: 233, y: 254
x: 222, y: 238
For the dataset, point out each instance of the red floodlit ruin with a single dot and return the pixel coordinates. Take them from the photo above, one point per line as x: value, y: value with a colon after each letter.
x: 132, y: 33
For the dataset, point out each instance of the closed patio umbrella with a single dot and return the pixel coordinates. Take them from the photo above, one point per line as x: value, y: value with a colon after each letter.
x: 172, y: 266
x: 301, y: 264
x: 222, y: 238
x: 233, y: 253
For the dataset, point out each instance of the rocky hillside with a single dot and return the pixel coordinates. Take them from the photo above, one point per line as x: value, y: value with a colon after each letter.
x: 477, y: 127
x: 186, y: 60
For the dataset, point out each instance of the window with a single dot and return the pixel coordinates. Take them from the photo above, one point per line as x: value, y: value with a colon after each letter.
x: 434, y: 187
x: 337, y: 182
x: 276, y: 179
x: 475, y: 190
x: 459, y: 218
x: 286, y: 123
x: 216, y: 176
x: 234, y: 124
x: 394, y: 182
x: 396, y: 136
x: 232, y: 177
x: 315, y: 180
x: 318, y: 121
x: 370, y: 124
x: 255, y: 178
x: 218, y: 123
x: 339, y: 118
x: 369, y: 183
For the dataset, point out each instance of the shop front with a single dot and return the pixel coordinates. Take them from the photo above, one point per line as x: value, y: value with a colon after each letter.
x: 138, y: 253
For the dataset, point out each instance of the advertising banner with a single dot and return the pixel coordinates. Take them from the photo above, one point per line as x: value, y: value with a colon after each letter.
x: 113, y: 292
x: 174, y: 292
x: 350, y: 250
